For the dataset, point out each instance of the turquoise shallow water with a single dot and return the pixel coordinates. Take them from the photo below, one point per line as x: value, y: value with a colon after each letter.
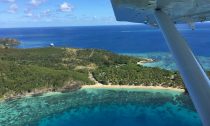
x: 166, y: 61
x: 101, y: 107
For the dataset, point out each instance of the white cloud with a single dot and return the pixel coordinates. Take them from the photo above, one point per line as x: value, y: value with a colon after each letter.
x: 37, y: 2
x: 8, y: 1
x: 13, y: 8
x: 29, y: 14
x: 66, y: 7
x: 31, y: 6
x: 33, y: 16
x: 38, y: 15
x: 46, y: 12
x: 11, y: 1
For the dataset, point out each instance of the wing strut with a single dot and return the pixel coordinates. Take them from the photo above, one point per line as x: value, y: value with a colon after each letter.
x: 195, y: 78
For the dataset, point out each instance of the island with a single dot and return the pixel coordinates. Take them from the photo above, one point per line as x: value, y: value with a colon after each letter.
x: 41, y: 70
x: 8, y: 42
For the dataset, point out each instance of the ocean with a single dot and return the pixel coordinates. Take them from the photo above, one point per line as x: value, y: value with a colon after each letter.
x: 107, y: 107
x: 135, y: 40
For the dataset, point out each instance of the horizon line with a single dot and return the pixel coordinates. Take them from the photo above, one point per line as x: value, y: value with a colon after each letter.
x: 73, y: 26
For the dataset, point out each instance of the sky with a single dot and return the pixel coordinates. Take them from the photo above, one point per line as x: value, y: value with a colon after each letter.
x: 46, y: 13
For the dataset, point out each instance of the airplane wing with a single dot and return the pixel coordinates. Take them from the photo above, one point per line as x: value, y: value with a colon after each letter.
x: 164, y: 14
x: 180, y: 11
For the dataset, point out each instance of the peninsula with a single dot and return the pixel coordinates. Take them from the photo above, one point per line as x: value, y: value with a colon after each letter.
x: 34, y: 71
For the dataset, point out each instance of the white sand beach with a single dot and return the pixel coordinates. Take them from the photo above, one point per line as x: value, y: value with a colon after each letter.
x: 98, y: 86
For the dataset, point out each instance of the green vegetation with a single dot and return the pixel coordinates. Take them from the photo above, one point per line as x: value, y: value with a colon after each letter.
x: 131, y: 74
x: 24, y: 70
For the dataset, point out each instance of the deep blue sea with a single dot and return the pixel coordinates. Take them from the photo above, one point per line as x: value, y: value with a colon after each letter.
x: 135, y: 40
x: 107, y: 107
x: 120, y: 39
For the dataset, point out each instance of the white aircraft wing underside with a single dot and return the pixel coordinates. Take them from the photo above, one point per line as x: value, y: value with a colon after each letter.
x: 180, y: 11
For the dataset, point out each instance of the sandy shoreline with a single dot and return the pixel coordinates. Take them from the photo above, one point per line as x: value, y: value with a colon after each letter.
x: 99, y: 86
